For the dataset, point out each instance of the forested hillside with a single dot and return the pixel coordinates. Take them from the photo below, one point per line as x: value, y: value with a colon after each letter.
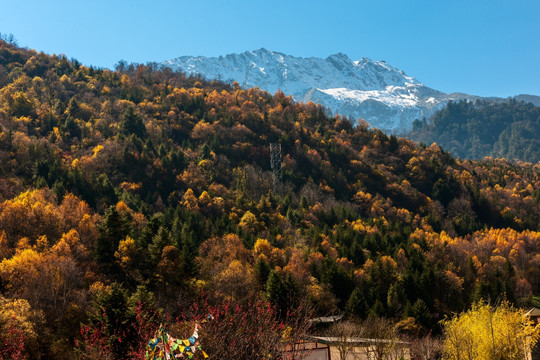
x: 127, y: 195
x: 474, y: 130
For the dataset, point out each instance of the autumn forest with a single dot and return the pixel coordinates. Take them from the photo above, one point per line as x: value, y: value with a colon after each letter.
x: 141, y: 196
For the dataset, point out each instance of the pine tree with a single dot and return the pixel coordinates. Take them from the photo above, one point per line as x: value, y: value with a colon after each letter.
x: 159, y: 241
x: 131, y: 123
x: 421, y: 313
x: 276, y: 293
x: 113, y: 229
x: 357, y: 305
x: 262, y: 271
x: 114, y: 317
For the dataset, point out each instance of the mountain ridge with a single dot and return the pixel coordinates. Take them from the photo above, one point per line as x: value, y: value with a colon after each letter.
x: 383, y: 95
x: 376, y: 91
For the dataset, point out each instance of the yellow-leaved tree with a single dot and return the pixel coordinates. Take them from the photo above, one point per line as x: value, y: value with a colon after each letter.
x: 486, y: 332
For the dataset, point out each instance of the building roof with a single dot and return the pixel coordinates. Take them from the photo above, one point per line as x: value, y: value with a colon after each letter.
x: 331, y: 340
x: 534, y: 312
x: 326, y: 319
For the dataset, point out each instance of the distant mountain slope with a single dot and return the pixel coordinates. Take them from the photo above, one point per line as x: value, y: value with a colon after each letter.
x: 469, y: 130
x: 535, y: 100
x: 372, y: 90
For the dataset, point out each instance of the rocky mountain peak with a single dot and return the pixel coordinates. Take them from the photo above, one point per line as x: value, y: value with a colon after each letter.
x: 372, y: 90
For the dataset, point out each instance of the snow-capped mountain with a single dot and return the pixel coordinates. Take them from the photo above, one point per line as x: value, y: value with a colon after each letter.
x: 372, y: 90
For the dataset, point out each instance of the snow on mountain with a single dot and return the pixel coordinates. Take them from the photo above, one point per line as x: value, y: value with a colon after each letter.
x: 372, y: 90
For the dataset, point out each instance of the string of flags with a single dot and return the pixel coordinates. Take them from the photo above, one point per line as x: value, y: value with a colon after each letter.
x: 165, y: 347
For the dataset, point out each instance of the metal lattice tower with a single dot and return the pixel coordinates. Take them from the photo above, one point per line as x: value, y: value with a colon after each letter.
x: 276, y: 164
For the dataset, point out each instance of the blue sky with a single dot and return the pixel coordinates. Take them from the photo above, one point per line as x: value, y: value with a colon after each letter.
x: 481, y: 47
